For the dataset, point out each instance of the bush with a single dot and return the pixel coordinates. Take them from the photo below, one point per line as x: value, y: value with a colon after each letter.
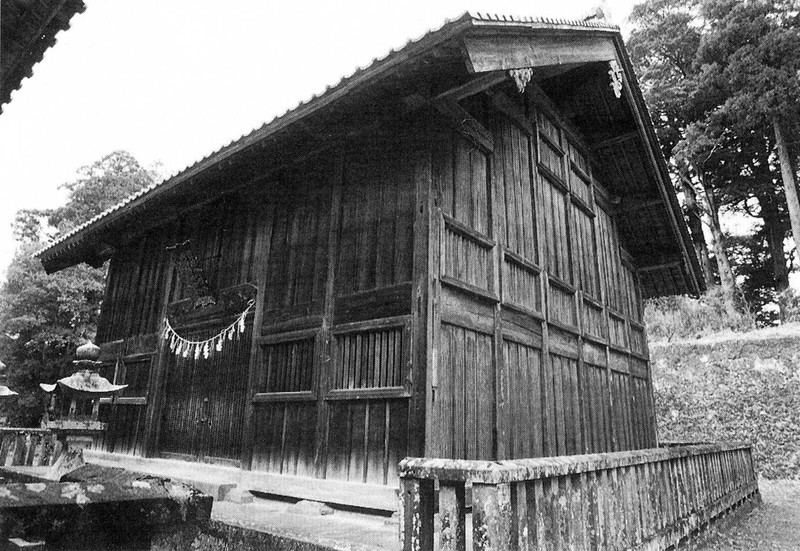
x: 789, y: 301
x: 676, y: 317
x: 733, y: 390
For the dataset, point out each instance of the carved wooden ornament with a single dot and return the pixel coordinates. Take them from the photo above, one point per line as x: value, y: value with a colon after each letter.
x: 615, y: 73
x: 522, y: 77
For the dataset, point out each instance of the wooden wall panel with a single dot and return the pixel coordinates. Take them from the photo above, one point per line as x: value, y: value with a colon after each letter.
x: 610, y: 263
x: 561, y: 306
x: 366, y: 439
x: 298, y: 254
x: 126, y: 424
x: 638, y: 340
x: 589, y: 277
x: 558, y: 256
x: 134, y: 287
x: 513, y: 181
x: 550, y: 152
x: 621, y: 411
x: 597, y: 407
x: 464, y: 187
x: 633, y: 306
x: 371, y: 358
x: 580, y: 182
x: 288, y: 366
x: 375, y: 248
x: 617, y: 331
x: 525, y: 385
x: 567, y: 405
x: 467, y: 257
x: 521, y: 285
x: 285, y: 437
x: 594, y: 322
x: 644, y: 412
x: 464, y: 405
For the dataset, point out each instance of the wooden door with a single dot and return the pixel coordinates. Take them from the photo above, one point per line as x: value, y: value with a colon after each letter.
x: 203, y: 411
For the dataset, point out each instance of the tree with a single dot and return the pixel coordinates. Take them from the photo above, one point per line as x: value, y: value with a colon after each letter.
x: 752, y: 52
x: 43, y: 318
x: 664, y: 46
x: 97, y: 187
x: 721, y: 79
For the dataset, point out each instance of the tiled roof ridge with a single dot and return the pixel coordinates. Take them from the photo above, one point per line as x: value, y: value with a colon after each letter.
x: 549, y: 21
x: 466, y: 18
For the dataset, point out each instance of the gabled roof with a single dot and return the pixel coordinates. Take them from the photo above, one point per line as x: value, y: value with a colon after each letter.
x: 76, y: 245
x: 27, y: 29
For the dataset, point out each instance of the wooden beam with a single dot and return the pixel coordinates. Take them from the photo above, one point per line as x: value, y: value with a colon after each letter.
x: 465, y: 123
x: 475, y: 85
x: 636, y: 203
x: 503, y: 52
x: 616, y: 140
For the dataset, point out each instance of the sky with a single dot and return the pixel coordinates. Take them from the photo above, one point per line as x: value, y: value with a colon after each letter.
x: 172, y: 80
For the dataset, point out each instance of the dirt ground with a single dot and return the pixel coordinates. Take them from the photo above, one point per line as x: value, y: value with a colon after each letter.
x: 774, y: 525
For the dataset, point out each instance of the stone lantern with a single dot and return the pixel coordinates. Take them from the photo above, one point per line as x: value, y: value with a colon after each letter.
x: 75, y: 400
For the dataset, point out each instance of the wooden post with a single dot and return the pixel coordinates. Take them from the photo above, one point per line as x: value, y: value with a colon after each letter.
x: 421, y: 308
x: 325, y: 345
x: 156, y: 386
x: 492, y: 517
x: 503, y: 444
x: 452, y: 516
x: 416, y: 514
x: 262, y: 249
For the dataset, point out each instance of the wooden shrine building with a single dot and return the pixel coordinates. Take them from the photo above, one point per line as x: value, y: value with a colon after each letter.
x: 443, y: 255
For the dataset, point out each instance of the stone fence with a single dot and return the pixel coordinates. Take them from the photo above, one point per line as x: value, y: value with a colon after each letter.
x: 28, y: 447
x: 644, y: 499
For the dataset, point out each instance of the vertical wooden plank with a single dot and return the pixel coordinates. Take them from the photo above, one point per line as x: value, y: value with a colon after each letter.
x: 452, y: 516
x: 491, y: 517
x: 537, y: 527
x: 520, y: 536
x: 416, y: 514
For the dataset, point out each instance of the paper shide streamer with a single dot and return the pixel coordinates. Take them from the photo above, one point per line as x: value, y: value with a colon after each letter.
x: 186, y: 348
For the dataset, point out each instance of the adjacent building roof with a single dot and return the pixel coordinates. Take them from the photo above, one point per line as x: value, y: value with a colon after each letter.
x: 27, y: 29
x: 678, y: 271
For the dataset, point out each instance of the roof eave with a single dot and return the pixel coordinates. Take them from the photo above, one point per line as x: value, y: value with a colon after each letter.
x: 690, y: 263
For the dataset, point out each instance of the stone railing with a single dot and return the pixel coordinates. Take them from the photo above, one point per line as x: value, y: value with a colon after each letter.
x: 643, y: 499
x: 27, y: 447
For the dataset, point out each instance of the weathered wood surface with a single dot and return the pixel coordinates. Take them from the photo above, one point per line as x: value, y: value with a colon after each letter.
x: 645, y: 499
x: 537, y: 301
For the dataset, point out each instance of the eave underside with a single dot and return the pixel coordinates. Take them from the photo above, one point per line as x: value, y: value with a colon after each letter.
x: 27, y: 29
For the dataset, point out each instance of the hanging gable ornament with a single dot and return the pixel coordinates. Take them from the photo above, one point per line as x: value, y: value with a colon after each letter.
x: 192, y: 275
x: 615, y: 72
x: 522, y: 77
